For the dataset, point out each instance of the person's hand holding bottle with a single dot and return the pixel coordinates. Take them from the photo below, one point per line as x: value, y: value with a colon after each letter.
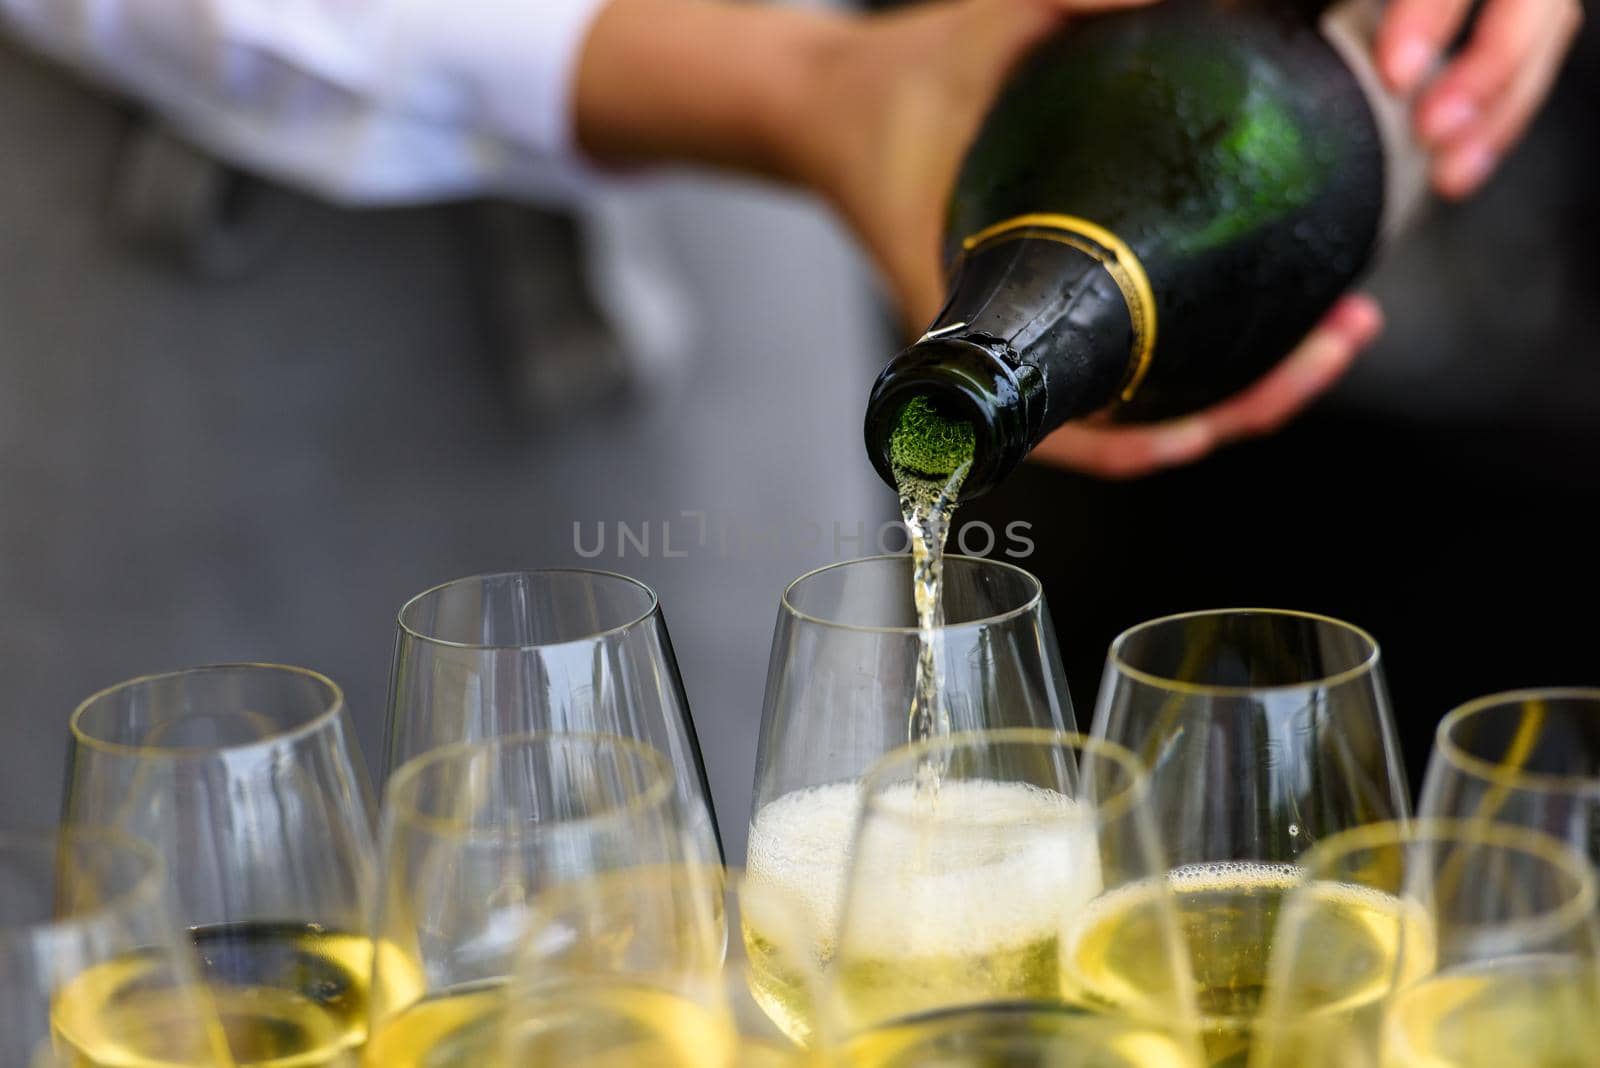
x: 876, y: 113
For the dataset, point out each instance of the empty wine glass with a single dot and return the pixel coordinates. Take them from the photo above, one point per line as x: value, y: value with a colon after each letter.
x: 1264, y: 732
x: 1435, y: 944
x: 984, y: 871
x: 474, y: 834
x: 247, y: 781
x: 840, y: 689
x: 527, y: 651
x: 1530, y: 758
x: 94, y: 973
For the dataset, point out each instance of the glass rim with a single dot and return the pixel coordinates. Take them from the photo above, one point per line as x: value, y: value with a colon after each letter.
x: 1510, y: 837
x: 1125, y: 800
x: 149, y: 883
x: 1034, y: 600
x: 651, y: 610
x: 1501, y: 774
x: 334, y: 707
x: 404, y: 811
x: 1116, y: 660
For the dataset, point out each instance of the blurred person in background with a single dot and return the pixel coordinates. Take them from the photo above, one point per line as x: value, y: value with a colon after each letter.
x: 378, y: 102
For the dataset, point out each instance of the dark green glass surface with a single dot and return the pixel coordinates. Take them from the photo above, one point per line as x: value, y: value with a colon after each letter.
x: 1227, y: 143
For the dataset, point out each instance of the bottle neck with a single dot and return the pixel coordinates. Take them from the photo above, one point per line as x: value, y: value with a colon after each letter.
x: 1042, y: 326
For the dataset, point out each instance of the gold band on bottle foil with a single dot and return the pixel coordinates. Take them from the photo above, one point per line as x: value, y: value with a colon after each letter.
x: 1106, y: 249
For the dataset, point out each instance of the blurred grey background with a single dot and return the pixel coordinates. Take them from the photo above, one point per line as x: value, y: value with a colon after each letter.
x: 265, y: 467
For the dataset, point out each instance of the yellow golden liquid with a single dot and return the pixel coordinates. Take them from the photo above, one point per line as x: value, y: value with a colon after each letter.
x: 779, y: 987
x: 287, y: 996
x: 799, y: 848
x: 575, y: 1026
x: 928, y: 506
x: 888, y: 988
x: 1018, y: 1036
x: 459, y: 1028
x: 937, y: 920
x: 617, y: 1026
x: 1228, y: 914
x: 1532, y: 1012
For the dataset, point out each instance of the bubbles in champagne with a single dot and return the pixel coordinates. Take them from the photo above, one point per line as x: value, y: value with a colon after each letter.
x: 983, y: 865
x: 1122, y: 949
x: 1230, y: 916
x: 984, y: 842
x: 800, y: 844
x: 930, y: 456
x: 956, y: 898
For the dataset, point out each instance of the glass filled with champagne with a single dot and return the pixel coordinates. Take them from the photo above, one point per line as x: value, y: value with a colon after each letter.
x: 247, y: 781
x: 94, y: 970
x: 1494, y: 961
x: 848, y: 661
x: 1530, y: 758
x: 1019, y: 1036
x: 646, y: 967
x: 475, y: 834
x: 787, y: 947
x: 976, y: 860
x: 1264, y: 733
x: 551, y: 650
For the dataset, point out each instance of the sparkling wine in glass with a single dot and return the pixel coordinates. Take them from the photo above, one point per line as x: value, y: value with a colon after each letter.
x: 476, y: 835
x: 94, y: 971
x: 1477, y: 947
x: 647, y: 968
x: 246, y: 781
x: 840, y: 686
x: 979, y: 900
x: 1264, y: 732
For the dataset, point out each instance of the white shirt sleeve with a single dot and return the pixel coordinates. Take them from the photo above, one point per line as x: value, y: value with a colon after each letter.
x: 356, y: 100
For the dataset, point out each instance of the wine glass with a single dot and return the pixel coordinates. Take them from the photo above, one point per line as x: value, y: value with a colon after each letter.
x: 1435, y: 944
x: 247, y: 781
x: 647, y: 967
x: 473, y: 835
x: 528, y: 651
x: 1018, y: 1036
x: 840, y: 689
x: 1530, y: 758
x: 1264, y: 732
x: 765, y: 929
x: 985, y: 870
x: 93, y: 970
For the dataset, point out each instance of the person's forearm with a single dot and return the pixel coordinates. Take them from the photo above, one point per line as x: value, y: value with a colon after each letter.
x: 702, y: 81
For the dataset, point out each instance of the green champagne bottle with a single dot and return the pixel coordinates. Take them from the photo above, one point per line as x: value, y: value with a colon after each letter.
x: 1160, y: 206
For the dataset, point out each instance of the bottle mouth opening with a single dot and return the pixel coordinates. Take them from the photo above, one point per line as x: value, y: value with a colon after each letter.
x: 950, y: 403
x: 961, y: 382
